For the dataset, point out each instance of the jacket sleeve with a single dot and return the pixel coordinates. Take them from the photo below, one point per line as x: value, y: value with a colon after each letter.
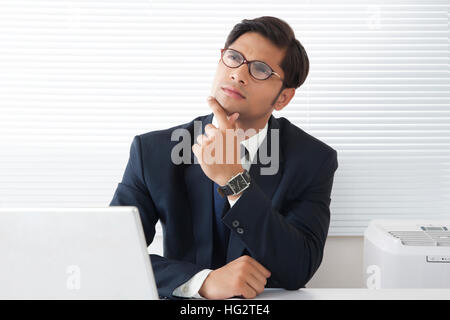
x: 290, y: 243
x: 132, y: 191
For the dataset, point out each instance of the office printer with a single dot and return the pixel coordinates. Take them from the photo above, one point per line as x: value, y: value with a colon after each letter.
x: 407, y: 254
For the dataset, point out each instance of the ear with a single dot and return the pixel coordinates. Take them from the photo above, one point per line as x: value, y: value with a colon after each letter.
x: 284, y: 98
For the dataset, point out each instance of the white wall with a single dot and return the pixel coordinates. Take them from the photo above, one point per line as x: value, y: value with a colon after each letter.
x: 342, y: 264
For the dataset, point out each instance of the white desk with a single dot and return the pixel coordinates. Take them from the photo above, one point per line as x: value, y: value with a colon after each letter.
x: 355, y: 294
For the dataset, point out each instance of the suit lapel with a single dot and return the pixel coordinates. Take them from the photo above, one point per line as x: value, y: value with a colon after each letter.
x: 199, y: 188
x: 267, y: 183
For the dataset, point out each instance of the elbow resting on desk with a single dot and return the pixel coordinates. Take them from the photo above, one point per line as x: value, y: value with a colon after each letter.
x: 300, y: 272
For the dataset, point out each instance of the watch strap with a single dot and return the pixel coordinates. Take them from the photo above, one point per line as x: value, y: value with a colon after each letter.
x: 224, y: 191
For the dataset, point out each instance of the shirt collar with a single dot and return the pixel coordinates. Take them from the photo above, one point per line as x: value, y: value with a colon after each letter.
x: 253, y: 143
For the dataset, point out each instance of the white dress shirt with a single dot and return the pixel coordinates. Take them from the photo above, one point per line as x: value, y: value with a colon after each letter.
x: 190, y: 288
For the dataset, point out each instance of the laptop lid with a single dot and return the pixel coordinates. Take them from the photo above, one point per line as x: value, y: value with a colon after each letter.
x: 74, y: 253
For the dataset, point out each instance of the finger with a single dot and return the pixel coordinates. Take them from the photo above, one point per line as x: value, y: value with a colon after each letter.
x: 219, y: 113
x: 248, y: 292
x: 199, y: 139
x: 266, y: 273
x: 258, y: 275
x: 211, y: 126
x: 210, y: 130
x: 232, y: 119
x: 197, y: 152
x: 256, y: 283
x: 202, y: 139
x: 255, y: 273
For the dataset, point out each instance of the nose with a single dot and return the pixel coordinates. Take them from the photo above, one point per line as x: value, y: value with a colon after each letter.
x: 240, y: 74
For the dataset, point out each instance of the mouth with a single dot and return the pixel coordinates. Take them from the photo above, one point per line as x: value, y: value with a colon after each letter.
x: 233, y: 93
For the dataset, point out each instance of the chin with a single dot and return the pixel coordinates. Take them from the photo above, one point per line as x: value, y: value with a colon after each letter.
x: 228, y: 105
x: 230, y: 109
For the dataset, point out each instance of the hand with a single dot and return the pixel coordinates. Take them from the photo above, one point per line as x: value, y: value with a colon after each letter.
x: 213, y: 147
x: 244, y: 277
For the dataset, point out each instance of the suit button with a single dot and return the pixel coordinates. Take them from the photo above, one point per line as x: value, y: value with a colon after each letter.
x: 240, y: 230
x: 235, y: 223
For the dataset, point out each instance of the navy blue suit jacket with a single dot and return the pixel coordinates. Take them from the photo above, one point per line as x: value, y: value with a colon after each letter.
x: 284, y: 218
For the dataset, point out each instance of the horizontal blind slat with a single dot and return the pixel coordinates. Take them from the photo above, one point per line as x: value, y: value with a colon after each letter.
x: 79, y: 79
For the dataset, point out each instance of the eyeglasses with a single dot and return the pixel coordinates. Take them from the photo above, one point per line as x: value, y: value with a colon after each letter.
x: 257, y: 69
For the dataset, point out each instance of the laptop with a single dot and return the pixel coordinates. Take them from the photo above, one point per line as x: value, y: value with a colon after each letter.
x: 74, y: 253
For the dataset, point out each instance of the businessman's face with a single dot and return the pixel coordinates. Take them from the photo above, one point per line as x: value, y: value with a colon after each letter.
x: 258, y: 95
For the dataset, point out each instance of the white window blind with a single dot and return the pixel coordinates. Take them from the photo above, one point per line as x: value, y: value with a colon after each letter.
x: 79, y: 79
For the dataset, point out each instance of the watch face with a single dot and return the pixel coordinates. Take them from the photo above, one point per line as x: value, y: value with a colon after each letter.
x: 238, y: 183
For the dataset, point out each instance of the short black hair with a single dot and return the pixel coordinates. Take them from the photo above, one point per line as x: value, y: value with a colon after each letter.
x: 295, y: 64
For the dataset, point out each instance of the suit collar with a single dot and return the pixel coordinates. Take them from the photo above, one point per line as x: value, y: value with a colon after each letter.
x: 253, y: 143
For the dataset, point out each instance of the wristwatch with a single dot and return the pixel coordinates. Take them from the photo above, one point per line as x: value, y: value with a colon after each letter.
x: 235, y: 185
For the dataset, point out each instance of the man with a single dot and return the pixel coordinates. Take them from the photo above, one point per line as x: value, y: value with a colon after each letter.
x: 230, y: 228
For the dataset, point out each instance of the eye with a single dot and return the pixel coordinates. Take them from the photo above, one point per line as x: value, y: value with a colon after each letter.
x: 262, y: 69
x: 233, y: 56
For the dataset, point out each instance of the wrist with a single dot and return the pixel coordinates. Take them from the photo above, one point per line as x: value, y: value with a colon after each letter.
x: 235, y: 185
x: 224, y: 180
x: 234, y: 198
x: 203, y: 289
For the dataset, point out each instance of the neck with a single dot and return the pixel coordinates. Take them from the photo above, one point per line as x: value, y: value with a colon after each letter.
x: 255, y: 124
